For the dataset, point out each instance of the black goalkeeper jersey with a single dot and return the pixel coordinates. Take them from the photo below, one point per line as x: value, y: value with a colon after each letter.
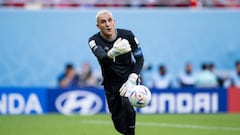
x: 117, y: 70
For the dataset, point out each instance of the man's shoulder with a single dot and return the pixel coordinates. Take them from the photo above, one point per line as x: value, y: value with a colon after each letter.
x: 95, y: 36
x: 124, y: 31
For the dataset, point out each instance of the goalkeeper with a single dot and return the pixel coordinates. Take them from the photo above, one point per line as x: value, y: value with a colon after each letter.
x: 114, y: 49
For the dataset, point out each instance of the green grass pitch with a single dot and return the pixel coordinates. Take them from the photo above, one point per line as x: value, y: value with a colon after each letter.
x: 157, y: 124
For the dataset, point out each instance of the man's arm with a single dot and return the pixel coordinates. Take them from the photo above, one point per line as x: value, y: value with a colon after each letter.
x: 139, y: 63
x: 137, y: 53
x: 98, y: 51
x: 133, y: 77
x: 120, y: 46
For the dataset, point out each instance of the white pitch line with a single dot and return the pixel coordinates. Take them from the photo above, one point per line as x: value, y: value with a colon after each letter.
x: 170, y: 125
x: 187, y: 126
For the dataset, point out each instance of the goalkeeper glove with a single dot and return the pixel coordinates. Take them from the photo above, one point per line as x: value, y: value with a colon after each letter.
x: 128, y: 85
x: 120, y: 46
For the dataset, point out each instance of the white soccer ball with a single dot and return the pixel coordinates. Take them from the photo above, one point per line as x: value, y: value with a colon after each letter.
x: 139, y: 96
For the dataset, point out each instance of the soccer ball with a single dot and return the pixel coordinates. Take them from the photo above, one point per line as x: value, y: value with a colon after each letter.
x: 139, y: 96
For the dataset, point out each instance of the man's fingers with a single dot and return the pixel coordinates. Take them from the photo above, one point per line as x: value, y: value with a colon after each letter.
x: 124, y: 41
x: 117, y: 42
x: 122, y: 90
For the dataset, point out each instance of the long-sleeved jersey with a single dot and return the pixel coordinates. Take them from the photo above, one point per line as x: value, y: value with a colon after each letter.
x: 117, y: 70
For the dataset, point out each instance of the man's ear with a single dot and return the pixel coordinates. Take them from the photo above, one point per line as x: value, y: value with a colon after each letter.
x: 97, y: 26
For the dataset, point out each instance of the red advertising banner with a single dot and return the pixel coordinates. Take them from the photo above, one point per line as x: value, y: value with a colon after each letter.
x: 234, y: 100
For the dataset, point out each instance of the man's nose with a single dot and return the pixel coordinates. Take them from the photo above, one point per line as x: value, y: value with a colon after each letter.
x: 107, y: 23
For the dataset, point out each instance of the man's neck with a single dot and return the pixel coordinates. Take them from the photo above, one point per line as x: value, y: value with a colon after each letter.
x: 110, y: 38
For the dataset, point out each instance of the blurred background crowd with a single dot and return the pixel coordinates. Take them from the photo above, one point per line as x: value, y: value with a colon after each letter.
x: 118, y: 3
x: 207, y: 76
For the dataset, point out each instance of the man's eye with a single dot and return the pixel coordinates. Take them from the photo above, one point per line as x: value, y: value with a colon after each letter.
x: 103, y: 22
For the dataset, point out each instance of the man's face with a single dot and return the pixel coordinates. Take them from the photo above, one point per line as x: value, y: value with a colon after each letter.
x: 106, y: 24
x: 238, y: 68
x: 189, y: 68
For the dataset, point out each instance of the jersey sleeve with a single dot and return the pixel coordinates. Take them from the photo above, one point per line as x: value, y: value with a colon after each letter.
x: 97, y: 50
x: 137, y: 53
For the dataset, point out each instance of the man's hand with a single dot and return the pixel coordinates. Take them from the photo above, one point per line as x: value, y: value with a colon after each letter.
x: 120, y: 46
x: 128, y: 85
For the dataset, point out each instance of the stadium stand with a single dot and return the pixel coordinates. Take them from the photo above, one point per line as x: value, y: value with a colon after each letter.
x: 117, y: 3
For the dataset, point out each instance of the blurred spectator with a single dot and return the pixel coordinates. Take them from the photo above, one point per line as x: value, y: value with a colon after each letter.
x: 188, y: 77
x: 220, y: 75
x: 206, y: 78
x: 220, y: 3
x: 163, y: 79
x: 121, y: 3
x: 86, y: 76
x: 235, y: 76
x: 69, y: 78
x: 145, y: 74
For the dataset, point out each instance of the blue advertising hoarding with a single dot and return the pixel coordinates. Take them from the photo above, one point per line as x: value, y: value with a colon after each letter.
x: 86, y: 100
x: 91, y: 100
x: 22, y: 100
x: 187, y: 100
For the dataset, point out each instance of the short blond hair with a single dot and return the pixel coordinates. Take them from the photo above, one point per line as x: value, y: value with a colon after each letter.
x: 102, y: 12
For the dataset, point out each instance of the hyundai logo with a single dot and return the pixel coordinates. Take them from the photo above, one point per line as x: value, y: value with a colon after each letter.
x: 78, y: 102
